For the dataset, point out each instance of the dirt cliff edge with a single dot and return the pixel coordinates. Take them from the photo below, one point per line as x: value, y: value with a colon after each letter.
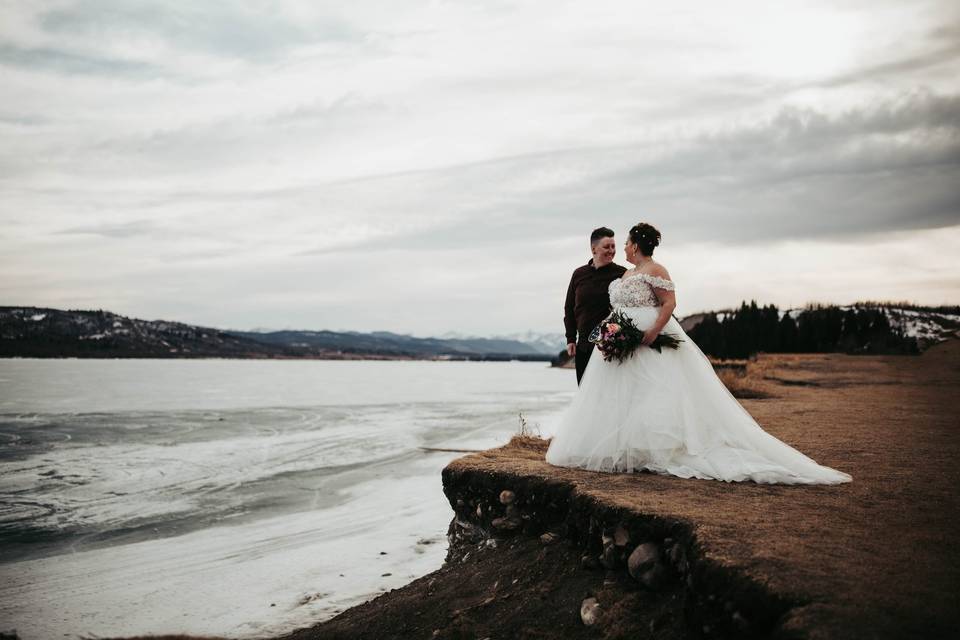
x: 536, y: 550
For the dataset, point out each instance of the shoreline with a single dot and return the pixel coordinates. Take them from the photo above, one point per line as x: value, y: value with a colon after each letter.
x: 224, y: 507
x: 536, y: 550
x: 870, y: 559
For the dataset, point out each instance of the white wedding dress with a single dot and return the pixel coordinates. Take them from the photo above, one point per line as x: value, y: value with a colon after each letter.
x: 669, y: 413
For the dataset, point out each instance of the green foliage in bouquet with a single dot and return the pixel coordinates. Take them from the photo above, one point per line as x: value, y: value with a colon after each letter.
x: 617, y: 338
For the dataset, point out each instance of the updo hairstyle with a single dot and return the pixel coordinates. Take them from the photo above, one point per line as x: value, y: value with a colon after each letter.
x: 646, y: 237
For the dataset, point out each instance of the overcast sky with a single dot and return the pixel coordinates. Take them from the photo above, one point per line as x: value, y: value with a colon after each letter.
x: 427, y: 167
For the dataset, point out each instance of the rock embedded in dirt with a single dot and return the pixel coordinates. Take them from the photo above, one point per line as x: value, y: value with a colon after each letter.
x: 612, y: 557
x: 621, y: 536
x: 590, y: 611
x: 548, y: 538
x: 505, y: 524
x: 655, y: 578
x: 677, y: 556
x: 642, y: 559
x: 507, y: 497
x: 644, y: 565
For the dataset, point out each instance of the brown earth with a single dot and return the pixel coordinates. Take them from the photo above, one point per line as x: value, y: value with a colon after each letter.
x: 876, y: 558
x: 520, y: 589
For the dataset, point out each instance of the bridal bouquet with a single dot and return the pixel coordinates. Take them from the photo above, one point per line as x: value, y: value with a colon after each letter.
x: 617, y: 337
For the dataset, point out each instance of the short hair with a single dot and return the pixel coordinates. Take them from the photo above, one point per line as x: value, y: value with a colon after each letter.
x: 646, y: 237
x: 599, y: 234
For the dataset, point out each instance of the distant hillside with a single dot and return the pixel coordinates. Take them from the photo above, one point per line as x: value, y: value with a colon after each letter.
x: 393, y: 344
x: 54, y: 333
x: 866, y: 328
x: 862, y: 328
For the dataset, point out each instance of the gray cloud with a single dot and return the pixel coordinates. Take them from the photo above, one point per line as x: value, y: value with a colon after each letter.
x: 942, y: 56
x: 221, y: 162
x: 116, y: 230
x: 227, y: 28
x: 69, y: 62
x: 801, y: 174
x: 939, y: 47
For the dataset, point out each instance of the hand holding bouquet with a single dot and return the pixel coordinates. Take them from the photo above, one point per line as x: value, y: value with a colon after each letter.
x: 617, y: 337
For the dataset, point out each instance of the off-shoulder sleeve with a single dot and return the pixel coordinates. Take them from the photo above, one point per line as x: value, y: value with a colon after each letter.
x: 660, y: 283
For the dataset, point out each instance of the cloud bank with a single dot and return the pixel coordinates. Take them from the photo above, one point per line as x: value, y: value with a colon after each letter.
x: 438, y: 167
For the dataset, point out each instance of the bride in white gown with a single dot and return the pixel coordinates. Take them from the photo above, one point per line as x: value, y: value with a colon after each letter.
x: 668, y: 412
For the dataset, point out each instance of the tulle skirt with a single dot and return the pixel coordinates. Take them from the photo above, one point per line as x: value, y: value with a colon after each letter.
x: 669, y: 413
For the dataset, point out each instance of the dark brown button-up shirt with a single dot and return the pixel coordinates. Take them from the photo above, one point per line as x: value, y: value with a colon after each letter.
x: 588, y: 301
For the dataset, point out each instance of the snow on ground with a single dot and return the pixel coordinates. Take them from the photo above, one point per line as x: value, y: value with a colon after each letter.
x: 926, y: 326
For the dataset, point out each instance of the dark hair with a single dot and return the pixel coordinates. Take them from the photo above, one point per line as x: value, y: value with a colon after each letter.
x: 645, y: 236
x: 599, y: 233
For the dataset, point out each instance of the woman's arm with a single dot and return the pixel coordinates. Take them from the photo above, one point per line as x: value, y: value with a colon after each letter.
x: 668, y: 302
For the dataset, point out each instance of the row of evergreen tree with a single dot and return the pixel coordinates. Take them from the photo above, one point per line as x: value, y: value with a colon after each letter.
x: 817, y: 329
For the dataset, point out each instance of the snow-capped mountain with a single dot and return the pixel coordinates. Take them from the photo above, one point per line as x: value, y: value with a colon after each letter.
x: 545, y: 343
x: 548, y: 343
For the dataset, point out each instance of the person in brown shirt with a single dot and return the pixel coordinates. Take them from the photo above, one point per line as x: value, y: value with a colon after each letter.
x: 587, y: 299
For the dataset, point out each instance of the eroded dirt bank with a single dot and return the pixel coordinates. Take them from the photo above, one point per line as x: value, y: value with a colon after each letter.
x: 876, y: 558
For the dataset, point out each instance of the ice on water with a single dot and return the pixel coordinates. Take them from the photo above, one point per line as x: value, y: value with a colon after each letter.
x: 189, y: 496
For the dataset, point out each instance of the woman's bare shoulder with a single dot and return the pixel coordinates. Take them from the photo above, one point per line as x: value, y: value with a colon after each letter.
x: 657, y: 269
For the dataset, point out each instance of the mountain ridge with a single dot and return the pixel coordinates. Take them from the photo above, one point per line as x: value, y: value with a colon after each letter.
x: 48, y: 332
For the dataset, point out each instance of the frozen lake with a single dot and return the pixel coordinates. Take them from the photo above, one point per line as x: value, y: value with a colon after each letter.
x: 242, y: 498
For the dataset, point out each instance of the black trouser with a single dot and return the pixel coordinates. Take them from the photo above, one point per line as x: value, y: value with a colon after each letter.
x: 583, y: 357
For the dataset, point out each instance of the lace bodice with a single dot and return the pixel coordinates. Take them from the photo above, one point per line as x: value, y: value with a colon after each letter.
x: 637, y: 290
